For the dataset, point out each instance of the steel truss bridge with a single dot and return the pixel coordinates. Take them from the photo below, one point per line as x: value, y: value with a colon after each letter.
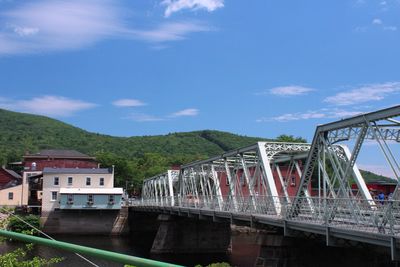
x: 255, y: 184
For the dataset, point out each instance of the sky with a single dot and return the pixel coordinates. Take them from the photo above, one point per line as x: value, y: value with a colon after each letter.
x: 257, y: 68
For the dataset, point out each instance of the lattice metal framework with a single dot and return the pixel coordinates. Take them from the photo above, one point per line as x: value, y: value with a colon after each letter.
x: 335, y: 165
x: 248, y: 172
x: 256, y: 180
x: 161, y: 188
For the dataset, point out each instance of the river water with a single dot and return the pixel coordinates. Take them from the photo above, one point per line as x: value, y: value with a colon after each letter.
x: 120, y: 244
x: 244, y: 252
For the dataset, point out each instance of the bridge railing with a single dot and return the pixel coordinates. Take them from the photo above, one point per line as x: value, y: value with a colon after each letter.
x: 355, y: 214
x: 348, y: 213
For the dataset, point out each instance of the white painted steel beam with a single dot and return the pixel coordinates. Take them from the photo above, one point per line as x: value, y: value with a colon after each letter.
x: 269, y: 178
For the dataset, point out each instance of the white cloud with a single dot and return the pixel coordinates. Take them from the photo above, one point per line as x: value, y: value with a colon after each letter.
x: 47, y: 105
x: 141, y: 117
x: 59, y: 25
x: 186, y: 112
x: 128, y: 103
x: 177, y: 5
x: 377, y: 21
x: 46, y: 26
x: 366, y: 93
x: 25, y: 31
x: 311, y: 114
x: 170, y: 31
x: 390, y: 28
x: 290, y: 90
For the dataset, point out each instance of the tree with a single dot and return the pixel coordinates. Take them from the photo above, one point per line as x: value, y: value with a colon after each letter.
x: 18, y: 257
x: 290, y: 138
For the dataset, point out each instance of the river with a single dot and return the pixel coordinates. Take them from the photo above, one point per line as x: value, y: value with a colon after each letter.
x: 118, y: 244
x: 244, y: 251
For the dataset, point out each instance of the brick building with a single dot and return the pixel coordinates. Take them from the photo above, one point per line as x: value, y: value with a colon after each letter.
x: 57, y: 158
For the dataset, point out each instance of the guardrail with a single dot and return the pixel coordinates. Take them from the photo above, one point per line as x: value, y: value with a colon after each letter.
x: 373, y: 216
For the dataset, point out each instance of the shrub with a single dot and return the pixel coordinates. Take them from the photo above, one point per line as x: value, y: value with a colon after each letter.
x: 16, y: 225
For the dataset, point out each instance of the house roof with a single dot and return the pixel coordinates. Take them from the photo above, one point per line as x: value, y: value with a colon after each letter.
x: 12, y: 173
x: 115, y: 190
x: 11, y: 183
x: 47, y: 170
x: 58, y: 153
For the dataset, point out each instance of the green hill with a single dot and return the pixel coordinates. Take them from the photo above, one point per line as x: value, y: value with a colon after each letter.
x: 373, y: 177
x: 21, y: 132
x: 135, y: 157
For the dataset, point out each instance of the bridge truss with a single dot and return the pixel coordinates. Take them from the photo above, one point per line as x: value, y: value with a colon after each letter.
x: 336, y: 168
x: 272, y: 183
x: 249, y: 175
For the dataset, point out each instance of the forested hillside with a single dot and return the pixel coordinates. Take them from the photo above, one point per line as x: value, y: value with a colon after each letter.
x: 134, y: 157
x: 25, y: 132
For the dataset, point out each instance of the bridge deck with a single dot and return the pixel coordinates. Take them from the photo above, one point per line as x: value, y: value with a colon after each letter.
x: 340, y: 227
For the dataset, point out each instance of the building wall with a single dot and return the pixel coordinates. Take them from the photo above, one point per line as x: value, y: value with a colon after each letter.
x: 81, y: 202
x: 292, y: 180
x: 79, y: 181
x: 17, y: 196
x: 59, y: 163
x: 90, y: 222
x: 25, y: 185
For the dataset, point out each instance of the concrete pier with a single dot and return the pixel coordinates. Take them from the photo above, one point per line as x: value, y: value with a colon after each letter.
x: 86, y: 222
x: 182, y: 235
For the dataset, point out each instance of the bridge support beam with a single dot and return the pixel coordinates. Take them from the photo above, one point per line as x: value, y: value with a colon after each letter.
x: 394, y: 249
x: 182, y: 235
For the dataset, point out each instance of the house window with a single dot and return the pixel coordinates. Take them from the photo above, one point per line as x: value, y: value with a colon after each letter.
x: 101, y: 181
x: 10, y: 195
x: 88, y: 181
x: 90, y: 199
x: 242, y: 180
x: 70, y: 180
x: 53, y: 195
x: 293, y: 181
x: 111, y: 199
x: 56, y: 181
x: 70, y: 199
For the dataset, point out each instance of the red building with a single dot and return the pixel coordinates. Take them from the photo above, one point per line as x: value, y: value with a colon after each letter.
x: 291, y: 179
x: 378, y: 186
x: 56, y: 158
x: 9, y: 177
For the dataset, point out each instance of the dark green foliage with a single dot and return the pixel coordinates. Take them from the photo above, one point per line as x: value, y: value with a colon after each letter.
x: 290, y: 138
x: 20, y: 133
x: 18, y: 258
x: 134, y: 158
x: 16, y: 225
x: 217, y: 264
x: 371, y: 177
x: 21, y: 257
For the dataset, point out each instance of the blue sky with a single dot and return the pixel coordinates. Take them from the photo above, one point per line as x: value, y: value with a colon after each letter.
x: 258, y: 68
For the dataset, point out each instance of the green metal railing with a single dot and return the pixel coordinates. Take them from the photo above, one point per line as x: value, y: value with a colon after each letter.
x: 98, y: 253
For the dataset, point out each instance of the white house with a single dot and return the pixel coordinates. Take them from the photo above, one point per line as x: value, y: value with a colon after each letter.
x: 79, y: 188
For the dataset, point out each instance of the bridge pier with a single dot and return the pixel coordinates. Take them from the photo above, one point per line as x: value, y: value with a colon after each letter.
x: 184, y: 235
x: 395, y: 249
